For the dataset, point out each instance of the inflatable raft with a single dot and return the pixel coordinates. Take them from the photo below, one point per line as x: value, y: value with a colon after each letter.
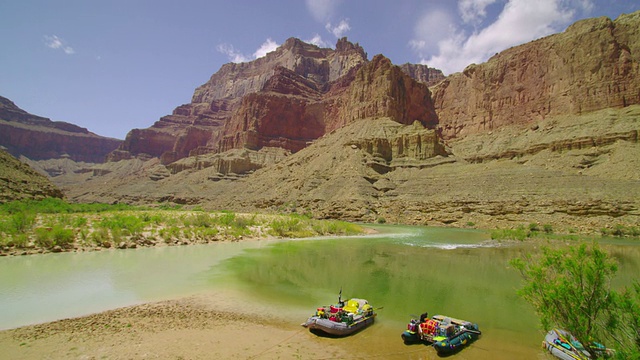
x: 563, y: 345
x: 446, y: 334
x: 342, y: 319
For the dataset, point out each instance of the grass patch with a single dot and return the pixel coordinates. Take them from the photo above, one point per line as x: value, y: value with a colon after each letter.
x: 52, y: 222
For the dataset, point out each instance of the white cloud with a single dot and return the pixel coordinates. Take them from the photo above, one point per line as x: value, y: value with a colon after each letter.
x: 268, y: 46
x: 340, y: 29
x: 56, y: 43
x: 473, y: 11
x: 322, y: 10
x: 233, y: 54
x: 451, y: 49
x: 432, y: 27
x: 236, y: 56
x: 318, y: 41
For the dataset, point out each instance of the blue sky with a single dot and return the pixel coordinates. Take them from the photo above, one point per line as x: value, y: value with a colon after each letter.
x: 115, y: 65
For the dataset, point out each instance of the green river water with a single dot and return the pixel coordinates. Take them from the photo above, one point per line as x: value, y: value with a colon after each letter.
x: 401, y: 270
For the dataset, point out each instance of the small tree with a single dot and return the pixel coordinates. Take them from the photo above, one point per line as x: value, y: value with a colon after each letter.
x: 570, y: 288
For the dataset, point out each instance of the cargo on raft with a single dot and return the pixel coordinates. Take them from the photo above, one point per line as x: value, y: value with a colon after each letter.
x: 563, y: 345
x: 446, y: 334
x: 343, y: 318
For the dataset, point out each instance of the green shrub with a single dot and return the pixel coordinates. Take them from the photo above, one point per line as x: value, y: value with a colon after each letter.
x: 226, y: 218
x: 285, y: 227
x: 547, y: 228
x: 17, y: 240
x: 129, y: 223
x: 99, y: 236
x: 21, y: 221
x: 44, y: 237
x: 510, y: 234
x: 62, y: 236
x: 79, y: 222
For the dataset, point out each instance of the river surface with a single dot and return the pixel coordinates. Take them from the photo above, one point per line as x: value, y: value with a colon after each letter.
x: 402, y: 271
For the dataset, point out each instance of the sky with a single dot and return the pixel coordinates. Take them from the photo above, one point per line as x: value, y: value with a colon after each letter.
x: 114, y: 65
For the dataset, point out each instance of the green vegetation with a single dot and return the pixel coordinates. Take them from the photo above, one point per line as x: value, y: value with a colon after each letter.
x: 534, y: 231
x: 622, y: 231
x: 571, y: 289
x: 53, y: 223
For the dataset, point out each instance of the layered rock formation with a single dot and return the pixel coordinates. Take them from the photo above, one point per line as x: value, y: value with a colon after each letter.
x: 423, y: 73
x: 38, y: 138
x: 285, y: 100
x: 593, y: 65
x: 544, y: 133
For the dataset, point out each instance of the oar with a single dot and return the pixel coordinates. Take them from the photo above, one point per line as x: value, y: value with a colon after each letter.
x: 578, y: 353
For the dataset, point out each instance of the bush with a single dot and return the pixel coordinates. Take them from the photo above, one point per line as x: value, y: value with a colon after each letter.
x: 99, y: 236
x: 21, y: 221
x: 285, y: 227
x: 17, y: 240
x: 571, y: 289
x: 44, y: 237
x: 117, y: 223
x: 510, y: 234
x: 62, y: 236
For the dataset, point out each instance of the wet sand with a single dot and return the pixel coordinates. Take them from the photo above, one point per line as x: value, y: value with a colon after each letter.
x: 223, y: 325
x: 197, y: 327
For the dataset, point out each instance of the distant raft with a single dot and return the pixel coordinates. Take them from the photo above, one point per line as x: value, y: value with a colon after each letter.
x: 446, y: 334
x: 563, y: 345
x: 343, y: 318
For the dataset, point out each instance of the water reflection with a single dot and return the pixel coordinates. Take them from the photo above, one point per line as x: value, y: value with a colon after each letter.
x: 403, y: 270
x: 457, y: 273
x: 39, y: 288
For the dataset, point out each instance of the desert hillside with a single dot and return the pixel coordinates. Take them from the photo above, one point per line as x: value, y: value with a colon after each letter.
x: 18, y: 181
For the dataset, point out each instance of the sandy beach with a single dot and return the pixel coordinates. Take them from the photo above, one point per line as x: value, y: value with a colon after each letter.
x: 218, y: 326
x: 198, y: 327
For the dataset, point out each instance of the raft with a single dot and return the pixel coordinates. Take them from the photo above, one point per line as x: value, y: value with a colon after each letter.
x: 563, y: 345
x: 446, y: 334
x: 343, y: 318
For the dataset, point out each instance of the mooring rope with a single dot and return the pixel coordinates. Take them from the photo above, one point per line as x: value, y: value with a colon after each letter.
x: 276, y: 345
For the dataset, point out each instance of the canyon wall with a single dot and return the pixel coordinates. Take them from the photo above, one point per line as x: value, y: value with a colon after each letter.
x: 592, y: 65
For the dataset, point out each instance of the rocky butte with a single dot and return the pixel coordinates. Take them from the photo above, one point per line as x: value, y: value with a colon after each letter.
x: 39, y: 138
x: 285, y: 100
x: 543, y: 132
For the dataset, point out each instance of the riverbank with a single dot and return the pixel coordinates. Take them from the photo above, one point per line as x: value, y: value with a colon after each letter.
x: 200, y: 327
x: 35, y: 228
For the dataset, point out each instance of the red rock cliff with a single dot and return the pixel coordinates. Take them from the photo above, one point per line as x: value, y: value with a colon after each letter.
x: 290, y: 97
x: 39, y: 138
x: 592, y: 65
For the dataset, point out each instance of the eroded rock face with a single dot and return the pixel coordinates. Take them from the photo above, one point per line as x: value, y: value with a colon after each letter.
x: 594, y: 64
x: 423, y: 73
x: 39, y: 138
x: 285, y: 100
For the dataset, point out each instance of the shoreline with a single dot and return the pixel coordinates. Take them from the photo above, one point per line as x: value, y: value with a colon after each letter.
x: 195, y: 327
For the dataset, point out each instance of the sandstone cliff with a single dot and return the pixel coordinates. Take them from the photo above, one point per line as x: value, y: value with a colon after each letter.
x: 423, y: 73
x: 222, y: 107
x: 285, y: 100
x: 593, y: 65
x: 38, y: 138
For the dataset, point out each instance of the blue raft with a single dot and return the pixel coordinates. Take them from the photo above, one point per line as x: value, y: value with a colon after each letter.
x: 446, y: 334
